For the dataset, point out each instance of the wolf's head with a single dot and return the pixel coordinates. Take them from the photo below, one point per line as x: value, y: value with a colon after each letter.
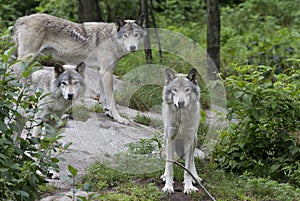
x: 70, y: 80
x: 130, y: 32
x: 181, y: 89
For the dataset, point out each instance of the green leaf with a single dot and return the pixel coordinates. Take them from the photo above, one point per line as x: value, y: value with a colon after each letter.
x: 22, y: 193
x: 72, y: 170
x: 274, y: 105
x: 255, y: 115
x: 55, y: 160
x: 238, y: 94
x: 275, y: 167
x: 86, y: 187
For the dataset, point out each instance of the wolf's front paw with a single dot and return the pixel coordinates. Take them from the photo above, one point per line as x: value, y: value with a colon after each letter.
x: 168, y: 189
x: 188, y: 189
x: 122, y: 120
x: 116, y: 116
x: 163, y: 177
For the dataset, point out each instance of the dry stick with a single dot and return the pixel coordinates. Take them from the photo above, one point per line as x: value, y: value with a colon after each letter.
x: 203, y: 188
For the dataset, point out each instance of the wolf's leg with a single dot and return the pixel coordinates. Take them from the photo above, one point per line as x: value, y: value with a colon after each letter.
x: 189, y: 148
x: 103, y: 100
x: 193, y: 167
x: 168, y: 175
x: 110, y: 110
x: 26, y: 46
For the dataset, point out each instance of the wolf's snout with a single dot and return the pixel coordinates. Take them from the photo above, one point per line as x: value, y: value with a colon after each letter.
x: 180, y: 104
x: 132, y: 48
x: 70, y: 96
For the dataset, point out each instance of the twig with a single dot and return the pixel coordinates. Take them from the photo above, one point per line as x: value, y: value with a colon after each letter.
x: 203, y: 188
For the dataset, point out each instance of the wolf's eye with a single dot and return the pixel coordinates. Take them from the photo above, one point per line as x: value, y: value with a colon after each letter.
x: 187, y: 90
x: 125, y: 35
x: 75, y: 82
x: 136, y: 35
x: 64, y: 83
x: 174, y: 90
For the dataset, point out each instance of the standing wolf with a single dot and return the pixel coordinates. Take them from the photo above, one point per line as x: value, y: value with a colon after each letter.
x: 181, y: 114
x: 98, y: 44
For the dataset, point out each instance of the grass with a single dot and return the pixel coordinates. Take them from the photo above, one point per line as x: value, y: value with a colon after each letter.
x: 142, y: 119
x: 81, y: 112
x: 113, y: 184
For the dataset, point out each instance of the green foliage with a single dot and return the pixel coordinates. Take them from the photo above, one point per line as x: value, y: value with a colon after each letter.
x: 79, y: 112
x: 21, y: 161
x: 116, y: 185
x: 257, y: 48
x: 142, y: 119
x: 223, y: 186
x: 125, y: 9
x: 146, y: 146
x: 11, y: 10
x: 228, y: 186
x: 141, y: 157
x: 76, y: 186
x: 266, y: 106
x: 259, y: 32
x: 139, y: 101
x: 66, y: 9
x: 271, y: 13
x: 5, y: 42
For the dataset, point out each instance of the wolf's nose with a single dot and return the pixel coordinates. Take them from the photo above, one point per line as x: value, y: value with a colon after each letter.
x: 132, y: 48
x: 180, y: 104
x: 70, y: 96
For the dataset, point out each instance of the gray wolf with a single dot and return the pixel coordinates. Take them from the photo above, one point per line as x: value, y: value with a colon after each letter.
x: 64, y: 84
x: 99, y: 45
x: 181, y: 115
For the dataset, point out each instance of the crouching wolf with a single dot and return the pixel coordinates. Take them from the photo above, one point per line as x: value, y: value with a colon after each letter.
x: 98, y: 44
x: 64, y: 84
x: 181, y: 115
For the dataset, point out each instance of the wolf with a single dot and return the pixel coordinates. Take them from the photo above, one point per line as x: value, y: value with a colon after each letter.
x: 181, y: 116
x: 64, y: 85
x: 98, y: 44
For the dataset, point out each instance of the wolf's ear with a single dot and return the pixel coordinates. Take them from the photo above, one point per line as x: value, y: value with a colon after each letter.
x: 170, y: 75
x: 80, y: 68
x: 119, y: 23
x: 58, y: 70
x: 192, y: 76
x: 140, y: 20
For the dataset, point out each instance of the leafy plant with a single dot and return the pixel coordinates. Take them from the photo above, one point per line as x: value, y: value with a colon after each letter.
x: 77, y: 186
x: 266, y: 106
x: 22, y: 162
x: 142, y: 119
x: 146, y: 146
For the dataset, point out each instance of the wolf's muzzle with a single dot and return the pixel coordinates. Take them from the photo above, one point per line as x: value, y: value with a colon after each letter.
x: 132, y: 48
x: 180, y: 104
x: 70, y: 96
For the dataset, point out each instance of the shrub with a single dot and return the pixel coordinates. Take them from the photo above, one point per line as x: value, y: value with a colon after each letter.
x: 266, y: 106
x: 20, y: 164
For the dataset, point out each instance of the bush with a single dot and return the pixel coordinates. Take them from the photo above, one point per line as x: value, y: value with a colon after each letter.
x: 266, y: 106
x: 21, y: 162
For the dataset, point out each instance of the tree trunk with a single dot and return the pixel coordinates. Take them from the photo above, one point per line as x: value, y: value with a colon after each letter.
x: 89, y: 11
x: 155, y: 30
x: 213, y: 37
x: 147, y: 44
